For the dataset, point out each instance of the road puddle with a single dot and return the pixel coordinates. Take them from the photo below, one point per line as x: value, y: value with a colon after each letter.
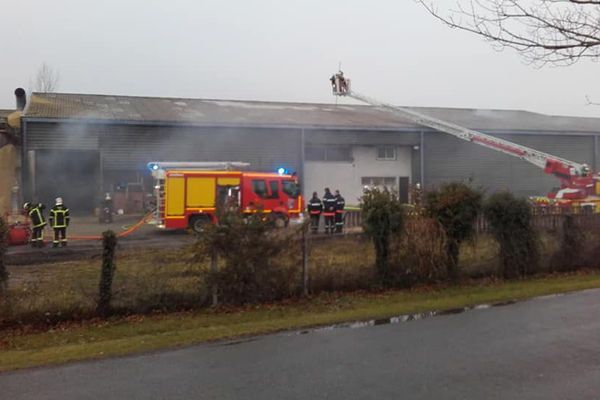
x: 416, y: 316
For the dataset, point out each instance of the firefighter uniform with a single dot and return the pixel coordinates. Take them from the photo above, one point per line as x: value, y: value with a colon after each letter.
x: 340, y: 203
x: 315, y: 208
x: 329, y: 211
x: 36, y: 216
x: 59, y: 221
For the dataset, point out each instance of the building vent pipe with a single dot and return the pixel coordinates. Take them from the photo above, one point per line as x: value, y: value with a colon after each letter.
x: 21, y: 98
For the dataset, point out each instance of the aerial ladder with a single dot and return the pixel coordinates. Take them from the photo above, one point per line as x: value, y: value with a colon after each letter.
x: 578, y: 183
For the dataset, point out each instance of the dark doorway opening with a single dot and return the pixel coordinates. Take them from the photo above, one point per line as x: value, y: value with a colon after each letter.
x: 73, y: 175
x: 403, y: 189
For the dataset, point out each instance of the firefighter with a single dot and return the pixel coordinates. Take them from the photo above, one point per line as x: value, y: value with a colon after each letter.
x: 340, y: 203
x: 333, y: 86
x: 106, y: 213
x: 59, y: 221
x: 315, y: 208
x: 329, y: 210
x: 36, y: 216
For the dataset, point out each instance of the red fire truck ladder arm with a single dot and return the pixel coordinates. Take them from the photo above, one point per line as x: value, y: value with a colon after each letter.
x: 551, y: 164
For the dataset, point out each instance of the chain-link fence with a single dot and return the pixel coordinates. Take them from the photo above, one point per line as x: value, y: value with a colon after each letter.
x: 284, y: 263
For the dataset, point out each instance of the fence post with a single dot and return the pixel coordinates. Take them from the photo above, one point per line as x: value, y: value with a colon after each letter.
x: 214, y: 267
x: 109, y: 244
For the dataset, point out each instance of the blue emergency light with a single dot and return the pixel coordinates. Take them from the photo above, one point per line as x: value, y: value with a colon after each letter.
x: 281, y: 171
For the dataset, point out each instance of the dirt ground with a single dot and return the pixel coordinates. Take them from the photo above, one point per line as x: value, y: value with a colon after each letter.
x: 84, y: 240
x: 82, y: 244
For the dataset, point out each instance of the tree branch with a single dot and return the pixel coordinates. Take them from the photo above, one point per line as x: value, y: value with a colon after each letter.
x: 543, y: 31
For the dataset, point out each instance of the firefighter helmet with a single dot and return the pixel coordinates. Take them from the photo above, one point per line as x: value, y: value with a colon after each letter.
x: 59, y: 201
x: 26, y: 205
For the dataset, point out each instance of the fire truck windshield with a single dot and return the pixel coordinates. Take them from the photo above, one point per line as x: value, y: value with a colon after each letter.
x: 291, y: 188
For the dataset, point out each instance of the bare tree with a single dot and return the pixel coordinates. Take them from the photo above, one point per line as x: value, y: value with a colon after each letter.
x: 543, y: 31
x: 47, y: 79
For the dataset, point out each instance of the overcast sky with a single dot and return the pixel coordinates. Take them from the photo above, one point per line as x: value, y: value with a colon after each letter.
x: 275, y: 50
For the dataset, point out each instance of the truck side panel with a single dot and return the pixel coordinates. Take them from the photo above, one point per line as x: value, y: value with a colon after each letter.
x: 201, y: 191
x: 175, y: 192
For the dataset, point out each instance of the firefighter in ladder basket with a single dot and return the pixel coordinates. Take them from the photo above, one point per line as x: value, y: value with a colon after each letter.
x: 36, y: 216
x: 339, y: 84
x: 340, y: 203
x: 329, y: 210
x: 315, y: 208
x: 59, y: 221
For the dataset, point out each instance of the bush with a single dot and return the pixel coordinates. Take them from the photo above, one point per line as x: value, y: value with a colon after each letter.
x: 419, y: 255
x: 455, y: 206
x: 259, y: 263
x: 109, y: 243
x: 383, y: 217
x: 3, y: 246
x: 510, y: 222
x: 570, y: 253
x: 4, y: 300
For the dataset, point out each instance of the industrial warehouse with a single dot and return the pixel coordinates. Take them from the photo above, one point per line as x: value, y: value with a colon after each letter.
x: 102, y: 143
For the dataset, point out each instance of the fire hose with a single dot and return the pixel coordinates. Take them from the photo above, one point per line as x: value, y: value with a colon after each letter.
x: 125, y: 233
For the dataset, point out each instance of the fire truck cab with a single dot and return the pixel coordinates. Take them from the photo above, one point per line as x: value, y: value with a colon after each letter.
x: 190, y: 195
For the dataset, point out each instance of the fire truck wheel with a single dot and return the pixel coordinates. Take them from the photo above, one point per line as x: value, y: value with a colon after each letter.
x: 280, y: 220
x: 197, y: 223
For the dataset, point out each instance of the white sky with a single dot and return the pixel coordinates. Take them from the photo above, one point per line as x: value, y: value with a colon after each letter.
x: 275, y: 50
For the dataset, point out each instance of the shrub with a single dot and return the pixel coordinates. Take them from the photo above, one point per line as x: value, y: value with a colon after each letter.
x: 383, y: 216
x: 3, y: 246
x: 570, y: 253
x: 4, y: 300
x: 510, y: 222
x: 419, y: 255
x: 455, y: 206
x: 259, y: 262
x: 109, y: 243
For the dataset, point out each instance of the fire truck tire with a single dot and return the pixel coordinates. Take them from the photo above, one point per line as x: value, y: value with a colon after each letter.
x: 198, y: 222
x: 280, y: 220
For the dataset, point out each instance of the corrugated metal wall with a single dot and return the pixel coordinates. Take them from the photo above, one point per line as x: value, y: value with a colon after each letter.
x: 130, y: 147
x: 450, y: 159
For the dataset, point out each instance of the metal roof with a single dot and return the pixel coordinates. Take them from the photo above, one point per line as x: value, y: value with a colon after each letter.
x: 131, y: 109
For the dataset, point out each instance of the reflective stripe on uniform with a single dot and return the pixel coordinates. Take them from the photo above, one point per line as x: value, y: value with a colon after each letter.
x: 59, y: 218
x: 36, y: 215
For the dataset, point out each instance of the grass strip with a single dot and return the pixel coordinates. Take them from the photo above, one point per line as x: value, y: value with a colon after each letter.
x: 116, y: 337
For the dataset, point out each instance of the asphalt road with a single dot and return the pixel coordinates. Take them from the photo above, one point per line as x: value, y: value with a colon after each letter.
x: 547, y: 348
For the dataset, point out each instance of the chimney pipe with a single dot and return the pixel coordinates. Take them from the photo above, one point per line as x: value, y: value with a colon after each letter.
x: 21, y: 98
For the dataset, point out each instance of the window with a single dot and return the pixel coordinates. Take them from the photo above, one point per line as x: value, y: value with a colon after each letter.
x: 328, y: 153
x: 381, y: 182
x: 339, y: 153
x: 315, y: 153
x: 259, y: 186
x: 274, y: 190
x: 291, y: 188
x: 386, y: 153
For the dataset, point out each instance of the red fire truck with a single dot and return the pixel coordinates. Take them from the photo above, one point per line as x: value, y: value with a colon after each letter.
x: 190, y: 194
